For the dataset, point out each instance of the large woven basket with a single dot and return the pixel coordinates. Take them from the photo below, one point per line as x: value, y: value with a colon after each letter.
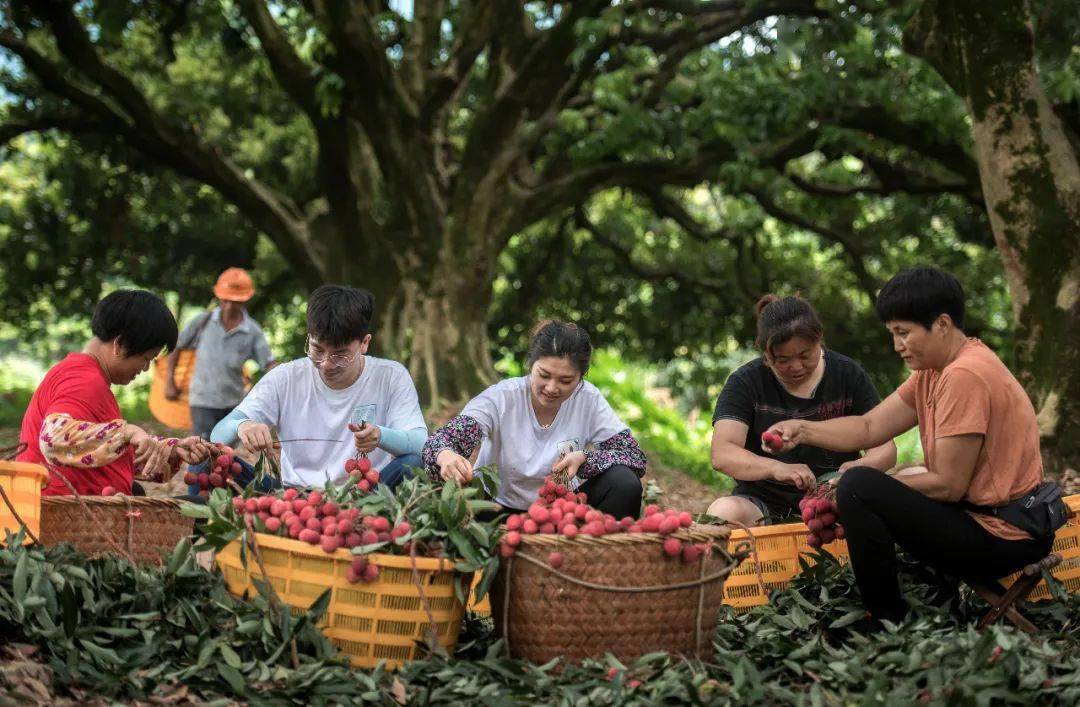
x: 614, y: 594
x: 136, y: 527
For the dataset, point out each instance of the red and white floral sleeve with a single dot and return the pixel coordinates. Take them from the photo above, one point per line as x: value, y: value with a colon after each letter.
x: 66, y: 441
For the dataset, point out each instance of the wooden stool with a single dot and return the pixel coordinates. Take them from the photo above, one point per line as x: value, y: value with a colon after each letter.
x: 1003, y: 602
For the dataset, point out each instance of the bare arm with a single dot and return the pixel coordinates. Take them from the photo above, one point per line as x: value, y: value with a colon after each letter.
x: 170, y: 365
x: 890, y: 419
x: 954, y: 465
x: 882, y: 457
x: 729, y: 456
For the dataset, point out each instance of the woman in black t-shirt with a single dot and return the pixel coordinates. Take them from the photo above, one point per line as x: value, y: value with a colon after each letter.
x: 795, y: 377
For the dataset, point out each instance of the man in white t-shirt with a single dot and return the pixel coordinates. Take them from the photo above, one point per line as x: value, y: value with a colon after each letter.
x: 334, y: 403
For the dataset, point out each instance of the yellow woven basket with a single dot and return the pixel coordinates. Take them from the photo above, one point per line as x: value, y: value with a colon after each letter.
x: 381, y: 620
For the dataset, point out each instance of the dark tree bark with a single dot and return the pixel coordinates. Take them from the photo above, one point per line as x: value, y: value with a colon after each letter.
x: 1031, y: 183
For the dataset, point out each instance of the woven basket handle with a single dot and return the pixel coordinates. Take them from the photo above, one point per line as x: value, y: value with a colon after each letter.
x: 9, y: 453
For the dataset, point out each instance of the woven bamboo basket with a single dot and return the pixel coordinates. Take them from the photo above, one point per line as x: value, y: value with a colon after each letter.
x: 136, y: 527
x: 615, y: 594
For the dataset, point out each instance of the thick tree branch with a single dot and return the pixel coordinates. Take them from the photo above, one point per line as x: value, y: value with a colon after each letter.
x: 473, y: 34
x: 827, y: 189
x: 922, y: 139
x: 73, y: 124
x: 420, y: 48
x: 131, y: 114
x: 294, y: 75
x: 666, y: 206
x: 651, y: 273
x: 845, y: 239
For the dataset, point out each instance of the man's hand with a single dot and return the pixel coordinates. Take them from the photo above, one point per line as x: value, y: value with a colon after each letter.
x: 171, y: 391
x: 570, y: 463
x: 797, y: 475
x: 454, y: 467
x: 256, y: 436
x: 365, y: 436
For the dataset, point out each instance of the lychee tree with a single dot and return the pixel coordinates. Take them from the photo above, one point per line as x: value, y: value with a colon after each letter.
x: 426, y: 141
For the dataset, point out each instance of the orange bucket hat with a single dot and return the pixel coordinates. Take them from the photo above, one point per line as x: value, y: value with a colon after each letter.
x: 235, y: 285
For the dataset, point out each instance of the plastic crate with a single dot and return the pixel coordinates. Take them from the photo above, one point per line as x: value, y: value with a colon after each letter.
x: 779, y: 547
x: 22, y: 483
x: 1066, y: 544
x: 482, y: 607
x: 382, y: 620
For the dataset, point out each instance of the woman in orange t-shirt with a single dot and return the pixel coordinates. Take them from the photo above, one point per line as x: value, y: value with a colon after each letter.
x: 980, y: 441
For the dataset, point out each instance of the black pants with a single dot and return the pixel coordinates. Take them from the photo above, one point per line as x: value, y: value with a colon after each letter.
x: 616, y: 491
x: 878, y: 513
x: 203, y: 419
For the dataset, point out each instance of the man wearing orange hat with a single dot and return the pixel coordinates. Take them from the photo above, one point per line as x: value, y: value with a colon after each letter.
x: 224, y: 339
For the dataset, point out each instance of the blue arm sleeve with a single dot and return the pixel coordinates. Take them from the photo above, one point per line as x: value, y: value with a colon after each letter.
x: 225, y: 431
x: 400, y: 442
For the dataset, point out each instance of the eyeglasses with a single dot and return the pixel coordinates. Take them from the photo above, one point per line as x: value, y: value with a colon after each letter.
x: 336, y: 360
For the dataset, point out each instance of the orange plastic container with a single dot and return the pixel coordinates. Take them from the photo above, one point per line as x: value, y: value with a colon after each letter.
x: 369, y: 622
x: 779, y: 547
x: 172, y: 413
x: 22, y: 483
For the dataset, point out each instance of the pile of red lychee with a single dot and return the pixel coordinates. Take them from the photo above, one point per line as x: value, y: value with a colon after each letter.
x: 360, y: 469
x: 223, y: 468
x: 561, y: 512
x: 318, y: 521
x: 821, y: 516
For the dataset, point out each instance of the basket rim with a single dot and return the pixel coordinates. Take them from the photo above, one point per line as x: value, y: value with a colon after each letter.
x: 13, y: 468
x: 694, y: 533
x: 119, y: 500
x: 276, y: 542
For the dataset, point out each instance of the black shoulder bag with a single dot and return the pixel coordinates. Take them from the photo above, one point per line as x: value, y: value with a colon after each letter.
x: 1040, y: 512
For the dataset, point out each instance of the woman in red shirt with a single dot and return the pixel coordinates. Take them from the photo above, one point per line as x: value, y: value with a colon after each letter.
x: 73, y: 425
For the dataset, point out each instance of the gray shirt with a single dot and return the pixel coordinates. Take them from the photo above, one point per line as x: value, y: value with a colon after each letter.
x: 218, y: 381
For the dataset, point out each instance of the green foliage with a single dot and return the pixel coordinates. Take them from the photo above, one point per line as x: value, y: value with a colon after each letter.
x: 443, y: 518
x: 109, y: 629
x: 680, y: 438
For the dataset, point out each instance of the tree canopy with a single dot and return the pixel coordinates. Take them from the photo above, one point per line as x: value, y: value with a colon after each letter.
x: 647, y: 168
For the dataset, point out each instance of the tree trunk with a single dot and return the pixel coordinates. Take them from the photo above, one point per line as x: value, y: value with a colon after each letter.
x: 441, y: 331
x: 1031, y: 182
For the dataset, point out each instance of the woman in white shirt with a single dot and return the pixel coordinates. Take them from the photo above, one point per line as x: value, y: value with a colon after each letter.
x: 549, y: 420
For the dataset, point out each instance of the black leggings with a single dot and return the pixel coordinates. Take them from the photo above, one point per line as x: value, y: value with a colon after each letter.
x: 878, y: 513
x: 617, y: 490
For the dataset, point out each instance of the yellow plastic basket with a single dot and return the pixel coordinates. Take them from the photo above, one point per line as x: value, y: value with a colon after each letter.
x: 779, y: 547
x: 22, y: 483
x: 382, y: 620
x: 482, y: 607
x: 1066, y: 544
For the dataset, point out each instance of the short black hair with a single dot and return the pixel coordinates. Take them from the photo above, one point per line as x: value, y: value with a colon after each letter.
x: 140, y: 321
x: 338, y: 315
x: 560, y: 339
x: 921, y: 295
